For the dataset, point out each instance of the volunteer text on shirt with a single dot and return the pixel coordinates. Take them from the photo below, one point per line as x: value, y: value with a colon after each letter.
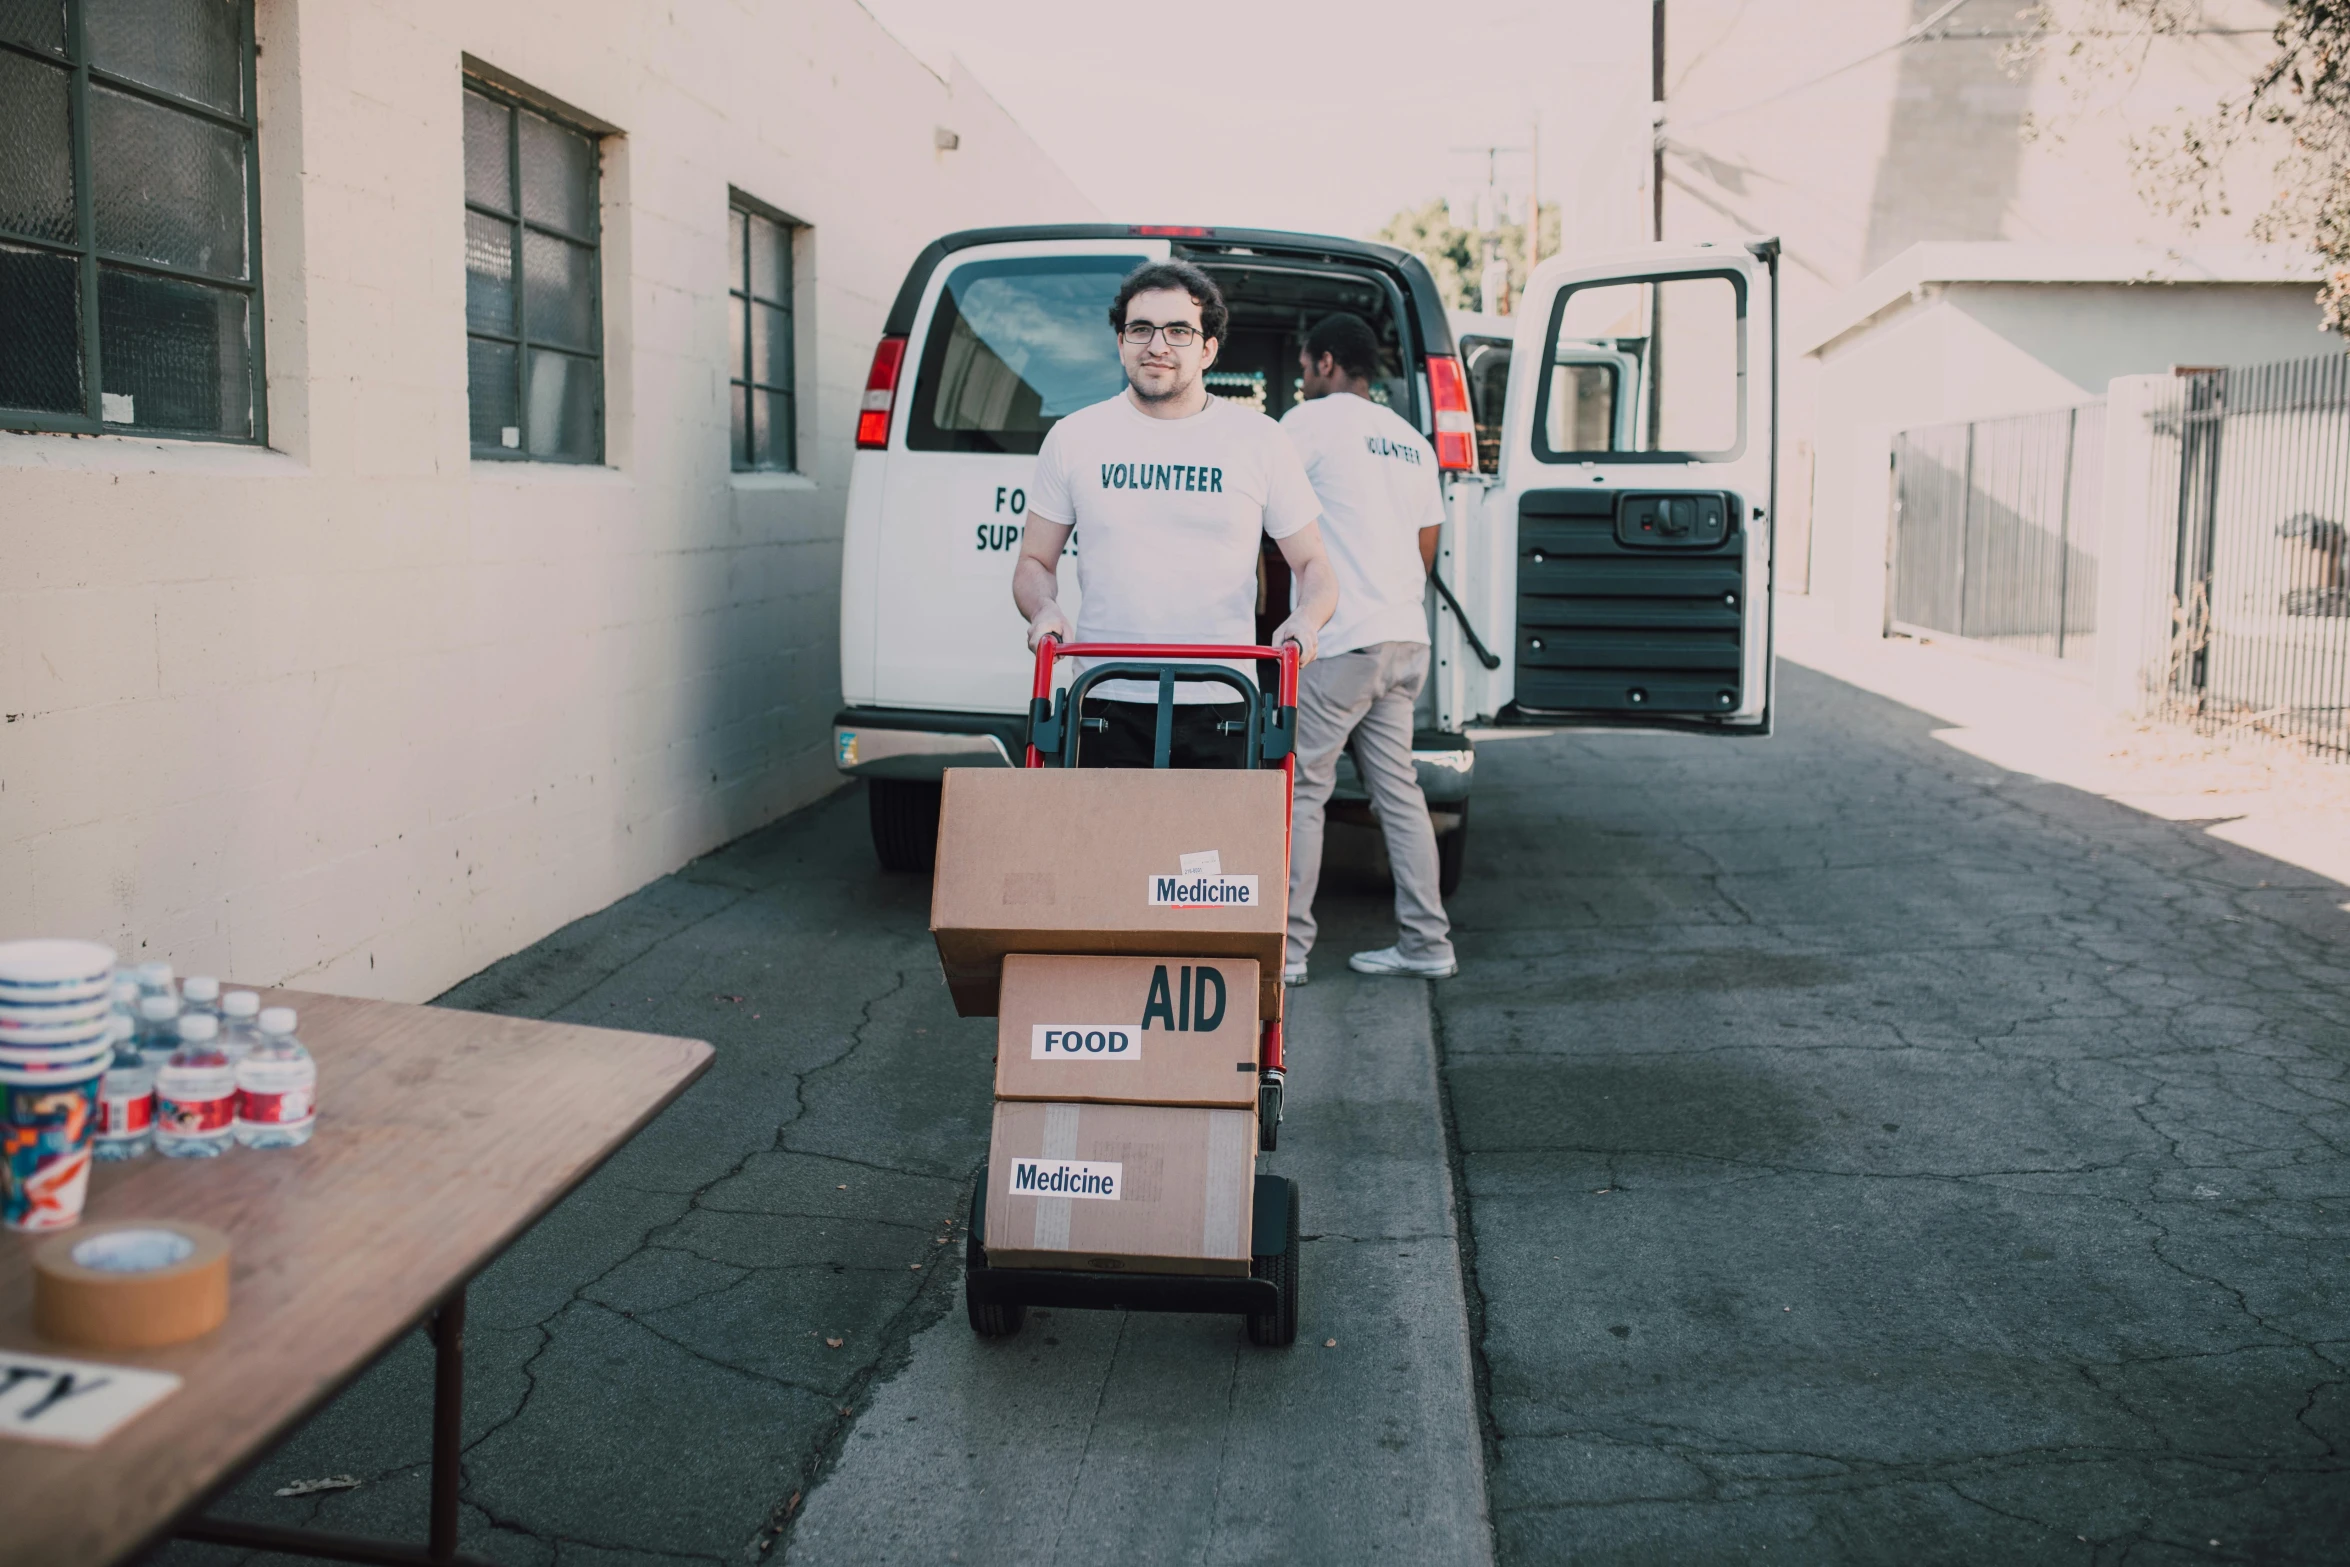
x: 1171, y: 512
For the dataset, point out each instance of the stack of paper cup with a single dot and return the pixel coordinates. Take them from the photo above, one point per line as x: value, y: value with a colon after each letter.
x: 55, y: 998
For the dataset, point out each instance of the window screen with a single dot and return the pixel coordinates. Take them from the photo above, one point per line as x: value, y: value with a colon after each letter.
x: 533, y: 316
x: 1013, y: 346
x: 129, y: 229
x: 759, y: 297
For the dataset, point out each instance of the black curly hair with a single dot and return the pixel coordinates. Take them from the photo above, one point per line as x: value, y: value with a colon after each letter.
x: 1214, y: 319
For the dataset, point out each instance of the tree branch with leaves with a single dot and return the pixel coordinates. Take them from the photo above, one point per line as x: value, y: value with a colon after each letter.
x: 2300, y: 97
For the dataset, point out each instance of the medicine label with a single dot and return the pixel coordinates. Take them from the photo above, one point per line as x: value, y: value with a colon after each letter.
x: 1065, y: 1178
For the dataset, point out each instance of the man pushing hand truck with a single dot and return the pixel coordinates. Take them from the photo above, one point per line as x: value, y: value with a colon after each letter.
x: 1126, y: 932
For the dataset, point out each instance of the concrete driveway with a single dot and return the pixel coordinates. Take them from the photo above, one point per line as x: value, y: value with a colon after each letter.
x: 1866, y: 1154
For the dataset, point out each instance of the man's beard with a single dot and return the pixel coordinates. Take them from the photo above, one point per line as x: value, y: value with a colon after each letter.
x: 1176, y: 389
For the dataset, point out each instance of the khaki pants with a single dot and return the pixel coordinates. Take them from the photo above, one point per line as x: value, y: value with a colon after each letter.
x: 1366, y: 695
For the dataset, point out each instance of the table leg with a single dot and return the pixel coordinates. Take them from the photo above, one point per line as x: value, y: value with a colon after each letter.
x: 448, y: 1422
x: 448, y: 1438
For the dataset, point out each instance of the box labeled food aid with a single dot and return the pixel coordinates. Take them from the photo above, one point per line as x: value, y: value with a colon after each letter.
x: 1110, y: 862
x: 1158, y: 1030
x: 1120, y: 1188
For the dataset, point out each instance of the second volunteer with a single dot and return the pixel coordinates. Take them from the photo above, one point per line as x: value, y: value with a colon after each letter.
x: 1382, y: 503
x: 1172, y: 490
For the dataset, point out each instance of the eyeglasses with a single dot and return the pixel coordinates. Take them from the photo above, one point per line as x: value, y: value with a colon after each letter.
x: 1179, y: 334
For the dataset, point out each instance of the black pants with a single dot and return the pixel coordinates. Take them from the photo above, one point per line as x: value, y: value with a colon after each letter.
x: 1193, y: 741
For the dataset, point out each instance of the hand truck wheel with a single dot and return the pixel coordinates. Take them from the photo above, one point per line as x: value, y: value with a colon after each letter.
x: 989, y: 1318
x: 1278, y: 1327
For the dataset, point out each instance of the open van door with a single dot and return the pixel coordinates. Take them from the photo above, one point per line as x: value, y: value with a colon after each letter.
x: 1624, y: 560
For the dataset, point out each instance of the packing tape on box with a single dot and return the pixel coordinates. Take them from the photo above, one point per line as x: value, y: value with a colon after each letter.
x: 131, y: 1284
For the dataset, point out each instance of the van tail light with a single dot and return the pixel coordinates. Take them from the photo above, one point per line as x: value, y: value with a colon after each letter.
x: 881, y: 393
x: 1456, y: 427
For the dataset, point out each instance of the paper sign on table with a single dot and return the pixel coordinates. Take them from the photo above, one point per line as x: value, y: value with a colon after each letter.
x: 76, y: 1402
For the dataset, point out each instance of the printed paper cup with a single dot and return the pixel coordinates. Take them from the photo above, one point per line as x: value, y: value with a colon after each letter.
x: 59, y: 970
x: 37, y: 1060
x: 57, y: 1036
x: 16, y: 1015
x: 44, y: 995
x: 46, y: 1121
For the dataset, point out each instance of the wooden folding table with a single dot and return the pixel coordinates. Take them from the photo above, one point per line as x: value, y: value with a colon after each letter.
x: 443, y: 1136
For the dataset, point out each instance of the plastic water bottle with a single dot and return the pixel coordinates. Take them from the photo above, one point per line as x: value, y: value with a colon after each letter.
x: 277, y: 1087
x: 126, y: 998
x: 200, y: 993
x: 126, y: 1100
x: 240, y: 1011
x: 158, y: 1032
x: 154, y: 979
x: 195, y: 1094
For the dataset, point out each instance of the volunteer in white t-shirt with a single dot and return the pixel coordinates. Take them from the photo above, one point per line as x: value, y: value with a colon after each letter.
x: 1382, y: 503
x: 1173, y: 490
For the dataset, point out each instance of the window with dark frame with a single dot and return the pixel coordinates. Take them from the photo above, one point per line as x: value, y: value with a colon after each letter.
x: 130, y: 230
x: 534, y: 324
x: 766, y: 423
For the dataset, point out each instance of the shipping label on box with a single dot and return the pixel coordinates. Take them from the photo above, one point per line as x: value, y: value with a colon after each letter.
x: 1162, y: 1031
x: 1110, y: 862
x: 1111, y: 1188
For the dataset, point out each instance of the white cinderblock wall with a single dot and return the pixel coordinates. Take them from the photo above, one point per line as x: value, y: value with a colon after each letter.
x: 360, y: 713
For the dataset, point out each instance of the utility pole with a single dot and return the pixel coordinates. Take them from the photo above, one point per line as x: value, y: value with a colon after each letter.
x: 1656, y: 118
x: 1534, y: 196
x: 1490, y: 295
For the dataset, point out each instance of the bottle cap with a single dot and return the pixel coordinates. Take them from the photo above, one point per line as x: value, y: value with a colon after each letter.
x: 159, y: 1009
x: 277, y: 1020
x: 199, y: 1027
x: 119, y: 1028
x: 126, y: 988
x: 153, y: 976
x: 200, y: 987
x: 241, y: 1003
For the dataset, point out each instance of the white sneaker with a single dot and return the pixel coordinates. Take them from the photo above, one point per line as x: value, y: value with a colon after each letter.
x: 1390, y: 960
x: 1293, y: 974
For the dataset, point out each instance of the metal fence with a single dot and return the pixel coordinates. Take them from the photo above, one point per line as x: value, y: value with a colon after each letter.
x: 1995, y: 530
x: 2251, y: 467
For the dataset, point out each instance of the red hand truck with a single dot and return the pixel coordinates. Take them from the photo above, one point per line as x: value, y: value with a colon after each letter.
x: 997, y: 1298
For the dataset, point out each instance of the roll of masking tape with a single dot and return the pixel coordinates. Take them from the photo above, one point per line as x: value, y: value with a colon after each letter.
x: 131, y: 1284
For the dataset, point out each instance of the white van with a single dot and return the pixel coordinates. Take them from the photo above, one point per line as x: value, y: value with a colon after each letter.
x: 1628, y: 578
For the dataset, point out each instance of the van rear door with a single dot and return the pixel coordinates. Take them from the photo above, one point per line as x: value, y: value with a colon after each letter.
x: 1628, y: 544
x: 1008, y: 338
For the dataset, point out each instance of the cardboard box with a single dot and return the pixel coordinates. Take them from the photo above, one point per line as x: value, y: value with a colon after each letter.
x: 1110, y: 862
x: 1154, y: 1031
x: 1121, y: 1188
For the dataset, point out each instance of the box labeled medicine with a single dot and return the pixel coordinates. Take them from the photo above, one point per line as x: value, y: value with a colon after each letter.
x: 1161, y: 1031
x: 1108, y: 1188
x: 1109, y: 862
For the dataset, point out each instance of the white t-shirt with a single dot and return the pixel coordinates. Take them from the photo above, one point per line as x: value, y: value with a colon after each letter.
x: 1169, y: 514
x: 1377, y: 481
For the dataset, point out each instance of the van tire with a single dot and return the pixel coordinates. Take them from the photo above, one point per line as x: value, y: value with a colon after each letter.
x: 904, y: 813
x: 1451, y: 849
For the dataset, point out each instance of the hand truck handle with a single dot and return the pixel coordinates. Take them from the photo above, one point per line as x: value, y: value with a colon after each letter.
x: 1051, y: 649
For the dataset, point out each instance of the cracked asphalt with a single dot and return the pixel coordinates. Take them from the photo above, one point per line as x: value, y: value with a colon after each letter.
x: 1866, y: 1155
x: 1874, y: 1156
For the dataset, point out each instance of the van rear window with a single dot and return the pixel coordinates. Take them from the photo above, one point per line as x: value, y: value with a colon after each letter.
x: 1014, y: 346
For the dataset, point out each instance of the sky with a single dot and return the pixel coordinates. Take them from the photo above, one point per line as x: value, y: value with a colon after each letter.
x: 1319, y: 115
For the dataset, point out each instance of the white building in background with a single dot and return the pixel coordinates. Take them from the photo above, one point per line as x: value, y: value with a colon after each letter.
x: 1951, y: 331
x: 423, y: 449
x: 1857, y: 130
